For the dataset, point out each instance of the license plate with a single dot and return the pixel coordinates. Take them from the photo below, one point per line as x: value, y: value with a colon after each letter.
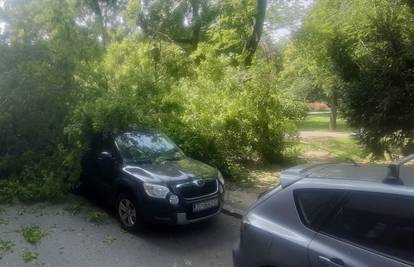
x: 205, y: 205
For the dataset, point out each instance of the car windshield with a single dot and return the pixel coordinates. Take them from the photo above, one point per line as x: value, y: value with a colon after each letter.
x: 139, y: 147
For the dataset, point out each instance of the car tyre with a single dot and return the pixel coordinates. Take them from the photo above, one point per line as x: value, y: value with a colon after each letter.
x: 128, y: 213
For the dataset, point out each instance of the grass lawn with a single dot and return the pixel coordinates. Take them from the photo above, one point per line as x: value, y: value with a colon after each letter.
x: 320, y: 122
x: 336, y: 149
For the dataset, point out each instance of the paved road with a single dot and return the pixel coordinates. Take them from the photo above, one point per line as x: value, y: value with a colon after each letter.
x: 73, y: 240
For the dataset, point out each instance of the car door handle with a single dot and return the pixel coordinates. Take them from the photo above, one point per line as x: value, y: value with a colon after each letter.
x: 335, y: 262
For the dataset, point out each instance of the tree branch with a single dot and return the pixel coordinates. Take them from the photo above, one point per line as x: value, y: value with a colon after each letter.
x: 254, y: 39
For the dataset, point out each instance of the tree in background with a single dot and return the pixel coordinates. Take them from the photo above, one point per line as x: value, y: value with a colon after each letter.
x: 309, y: 74
x: 374, y: 58
x: 379, y: 69
x: 308, y: 68
x: 361, y: 51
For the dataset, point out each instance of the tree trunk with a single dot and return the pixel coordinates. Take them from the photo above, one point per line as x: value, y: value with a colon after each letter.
x: 253, y: 41
x: 334, y: 110
x: 98, y: 12
x: 196, y: 27
x: 332, y: 121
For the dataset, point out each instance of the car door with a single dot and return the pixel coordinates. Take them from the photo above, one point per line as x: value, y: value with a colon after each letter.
x: 367, y: 230
x: 107, y: 162
x: 100, y: 165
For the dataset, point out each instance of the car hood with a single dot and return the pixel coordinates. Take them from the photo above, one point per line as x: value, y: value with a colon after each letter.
x: 171, y: 171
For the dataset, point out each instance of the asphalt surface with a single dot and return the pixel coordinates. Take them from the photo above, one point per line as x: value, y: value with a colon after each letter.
x: 82, y: 234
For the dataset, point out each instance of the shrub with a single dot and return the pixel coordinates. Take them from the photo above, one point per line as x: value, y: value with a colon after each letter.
x: 233, y: 114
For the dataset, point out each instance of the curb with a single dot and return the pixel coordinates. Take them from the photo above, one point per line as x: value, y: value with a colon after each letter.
x: 236, y: 213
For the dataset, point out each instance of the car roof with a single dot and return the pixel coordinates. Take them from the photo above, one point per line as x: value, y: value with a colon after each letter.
x: 332, y: 172
x: 367, y: 172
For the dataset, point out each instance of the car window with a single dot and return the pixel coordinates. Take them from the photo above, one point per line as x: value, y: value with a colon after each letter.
x: 382, y: 223
x: 135, y: 146
x: 315, y: 205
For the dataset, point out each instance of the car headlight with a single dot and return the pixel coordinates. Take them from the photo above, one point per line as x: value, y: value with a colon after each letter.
x: 220, y: 178
x: 156, y: 191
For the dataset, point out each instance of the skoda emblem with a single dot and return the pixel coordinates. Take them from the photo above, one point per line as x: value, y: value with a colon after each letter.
x: 199, y: 183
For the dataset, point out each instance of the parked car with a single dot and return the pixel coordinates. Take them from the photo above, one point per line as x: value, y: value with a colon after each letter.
x: 149, y: 179
x: 333, y: 215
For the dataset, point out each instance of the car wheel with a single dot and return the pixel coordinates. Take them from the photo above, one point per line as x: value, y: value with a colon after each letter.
x: 128, y: 213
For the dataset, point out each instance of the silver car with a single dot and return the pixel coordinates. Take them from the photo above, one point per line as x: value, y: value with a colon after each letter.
x: 333, y: 215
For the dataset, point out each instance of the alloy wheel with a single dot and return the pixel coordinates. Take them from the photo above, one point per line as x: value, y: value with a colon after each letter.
x: 127, y: 212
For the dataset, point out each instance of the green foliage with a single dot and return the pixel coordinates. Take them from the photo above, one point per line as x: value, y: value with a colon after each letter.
x: 40, y: 53
x: 308, y: 69
x: 379, y: 96
x: 65, y: 77
x: 235, y: 114
x: 371, y: 51
x: 182, y: 22
x: 131, y: 92
x: 359, y: 55
x: 339, y: 148
x: 97, y: 217
x: 32, y: 233
x: 320, y: 122
x: 6, y: 246
x: 7, y: 191
x: 30, y: 257
x: 230, y: 28
x: 230, y: 33
x: 37, y: 181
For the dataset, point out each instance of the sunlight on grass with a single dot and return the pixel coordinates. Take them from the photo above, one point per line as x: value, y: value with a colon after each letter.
x: 336, y: 148
x: 320, y: 122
